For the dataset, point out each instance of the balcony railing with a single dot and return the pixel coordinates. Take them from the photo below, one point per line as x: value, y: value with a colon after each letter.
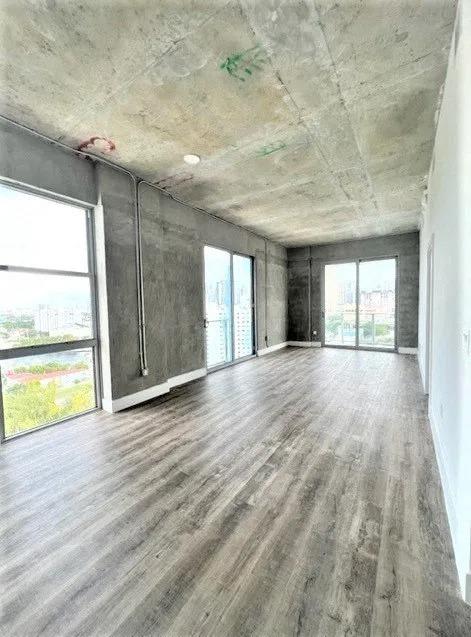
x: 218, y: 338
x: 375, y: 329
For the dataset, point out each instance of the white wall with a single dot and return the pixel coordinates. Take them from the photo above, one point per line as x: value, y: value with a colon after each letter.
x: 447, y: 223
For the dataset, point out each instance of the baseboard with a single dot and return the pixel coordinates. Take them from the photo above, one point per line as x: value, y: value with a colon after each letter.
x: 407, y: 350
x: 272, y: 348
x: 304, y: 343
x: 118, y: 404
x: 455, y: 517
x: 447, y: 492
x: 449, y: 499
x: 181, y: 379
x: 421, y: 372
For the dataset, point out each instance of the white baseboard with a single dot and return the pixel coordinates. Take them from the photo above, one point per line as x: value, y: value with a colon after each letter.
x: 407, y: 350
x: 450, y: 504
x: 181, y: 379
x: 422, y: 374
x: 118, y: 404
x: 272, y: 348
x: 447, y: 492
x: 304, y: 343
x: 455, y: 516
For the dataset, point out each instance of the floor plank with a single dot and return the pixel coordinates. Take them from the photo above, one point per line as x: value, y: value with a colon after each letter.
x: 296, y: 494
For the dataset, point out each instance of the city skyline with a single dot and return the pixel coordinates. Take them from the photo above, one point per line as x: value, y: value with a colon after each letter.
x: 228, y: 306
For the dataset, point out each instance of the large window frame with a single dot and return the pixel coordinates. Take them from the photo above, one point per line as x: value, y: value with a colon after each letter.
x: 52, y: 348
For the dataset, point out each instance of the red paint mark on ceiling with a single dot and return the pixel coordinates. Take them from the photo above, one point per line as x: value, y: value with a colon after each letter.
x: 98, y: 144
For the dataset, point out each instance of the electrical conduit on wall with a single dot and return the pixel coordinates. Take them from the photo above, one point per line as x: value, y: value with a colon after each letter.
x: 136, y: 181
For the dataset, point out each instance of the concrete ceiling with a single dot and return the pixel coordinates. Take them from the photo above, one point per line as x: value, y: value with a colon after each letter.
x: 314, y: 120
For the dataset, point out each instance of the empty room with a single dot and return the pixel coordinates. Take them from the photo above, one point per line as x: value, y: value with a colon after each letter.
x: 235, y: 318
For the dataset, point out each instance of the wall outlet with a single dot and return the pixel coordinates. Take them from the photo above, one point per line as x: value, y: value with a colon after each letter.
x: 314, y: 332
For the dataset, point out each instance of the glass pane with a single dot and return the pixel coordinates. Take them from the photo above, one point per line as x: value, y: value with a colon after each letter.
x: 243, y: 315
x: 43, y: 308
x: 41, y: 233
x: 217, y: 268
x: 340, y: 304
x: 44, y: 388
x: 377, y: 303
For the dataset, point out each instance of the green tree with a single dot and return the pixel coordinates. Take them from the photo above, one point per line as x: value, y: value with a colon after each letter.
x: 24, y: 321
x: 32, y: 404
x: 80, y: 399
x: 35, y: 338
x: 28, y: 405
x: 333, y: 323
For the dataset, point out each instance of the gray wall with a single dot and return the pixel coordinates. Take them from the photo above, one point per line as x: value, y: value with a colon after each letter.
x: 305, y: 280
x: 173, y: 240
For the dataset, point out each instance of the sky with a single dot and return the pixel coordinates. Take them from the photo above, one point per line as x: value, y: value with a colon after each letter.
x: 373, y: 274
x: 20, y: 290
x: 40, y: 232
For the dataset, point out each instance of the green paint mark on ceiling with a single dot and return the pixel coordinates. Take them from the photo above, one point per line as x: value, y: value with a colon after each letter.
x: 271, y: 148
x: 245, y: 62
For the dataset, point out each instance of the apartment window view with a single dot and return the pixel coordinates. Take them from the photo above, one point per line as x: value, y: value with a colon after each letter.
x: 362, y: 315
x: 47, y: 333
x: 229, y: 307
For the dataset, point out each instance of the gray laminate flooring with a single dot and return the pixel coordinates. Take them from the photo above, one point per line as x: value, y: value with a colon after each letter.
x: 296, y: 494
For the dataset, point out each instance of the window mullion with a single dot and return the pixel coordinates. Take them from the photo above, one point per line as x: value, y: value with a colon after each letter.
x: 30, y: 270
x: 46, y: 348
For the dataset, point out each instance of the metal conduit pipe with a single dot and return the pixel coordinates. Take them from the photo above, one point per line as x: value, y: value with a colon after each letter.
x: 140, y: 282
x: 137, y: 224
x: 266, y: 293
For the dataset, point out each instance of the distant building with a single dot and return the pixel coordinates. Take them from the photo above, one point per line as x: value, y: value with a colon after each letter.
x: 54, y: 321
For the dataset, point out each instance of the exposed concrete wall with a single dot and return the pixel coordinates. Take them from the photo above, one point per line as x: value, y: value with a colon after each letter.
x: 173, y: 237
x: 302, y: 286
x: 447, y: 228
x: 33, y: 162
x: 276, y: 295
x: 173, y: 240
x: 299, y: 294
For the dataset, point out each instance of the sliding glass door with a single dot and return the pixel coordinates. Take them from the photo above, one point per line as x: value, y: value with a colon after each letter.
x: 229, y: 306
x: 340, y: 307
x: 243, y: 313
x: 377, y: 303
x: 218, y: 321
x: 47, y: 312
x: 360, y: 304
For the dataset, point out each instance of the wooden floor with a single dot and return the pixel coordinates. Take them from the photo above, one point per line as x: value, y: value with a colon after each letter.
x: 296, y: 494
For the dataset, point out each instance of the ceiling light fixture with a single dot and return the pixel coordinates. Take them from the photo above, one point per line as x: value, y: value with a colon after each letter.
x: 192, y: 159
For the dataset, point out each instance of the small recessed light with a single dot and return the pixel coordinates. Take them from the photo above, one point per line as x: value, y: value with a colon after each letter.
x: 192, y: 159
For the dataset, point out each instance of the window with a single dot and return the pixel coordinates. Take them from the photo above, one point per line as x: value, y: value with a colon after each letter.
x: 360, y: 303
x: 47, y: 319
x: 229, y: 306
